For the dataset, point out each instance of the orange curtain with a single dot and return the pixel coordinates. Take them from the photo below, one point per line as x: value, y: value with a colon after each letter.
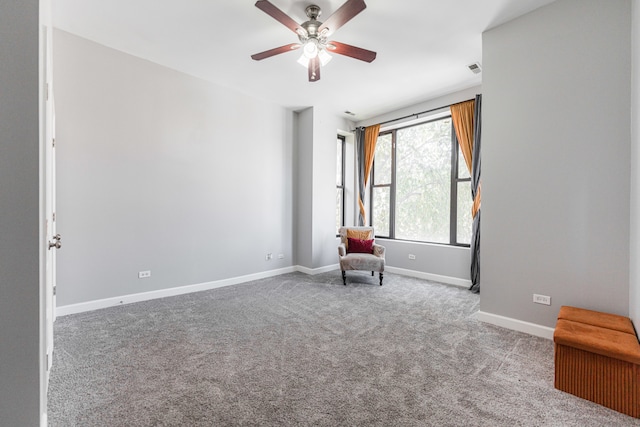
x: 370, y: 139
x: 462, y: 116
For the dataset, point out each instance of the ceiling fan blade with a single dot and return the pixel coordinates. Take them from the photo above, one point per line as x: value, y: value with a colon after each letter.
x: 271, y: 10
x: 314, y: 69
x: 275, y: 51
x: 344, y: 14
x: 352, y: 51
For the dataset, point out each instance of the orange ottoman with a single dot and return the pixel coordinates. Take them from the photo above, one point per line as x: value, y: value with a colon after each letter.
x: 597, y: 357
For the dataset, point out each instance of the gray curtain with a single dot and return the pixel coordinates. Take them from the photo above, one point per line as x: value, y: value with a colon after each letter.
x: 475, y: 189
x: 361, y: 167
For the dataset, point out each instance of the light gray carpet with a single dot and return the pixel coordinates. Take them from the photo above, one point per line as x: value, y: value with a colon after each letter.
x: 306, y: 350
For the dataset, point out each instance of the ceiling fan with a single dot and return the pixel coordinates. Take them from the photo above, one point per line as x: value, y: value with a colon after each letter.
x: 313, y: 36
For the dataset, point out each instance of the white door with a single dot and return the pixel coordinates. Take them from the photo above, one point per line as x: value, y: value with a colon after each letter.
x: 53, y: 239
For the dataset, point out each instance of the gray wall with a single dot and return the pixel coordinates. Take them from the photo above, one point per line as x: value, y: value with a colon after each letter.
x: 556, y: 170
x: 161, y: 171
x: 452, y: 263
x: 634, y: 291
x: 303, y: 153
x: 315, y: 154
x: 325, y: 129
x: 19, y: 215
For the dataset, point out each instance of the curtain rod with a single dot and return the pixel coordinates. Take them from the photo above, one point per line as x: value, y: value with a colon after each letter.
x: 417, y: 115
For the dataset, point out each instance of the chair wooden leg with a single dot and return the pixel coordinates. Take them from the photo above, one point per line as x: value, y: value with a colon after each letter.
x: 344, y: 278
x: 380, y: 278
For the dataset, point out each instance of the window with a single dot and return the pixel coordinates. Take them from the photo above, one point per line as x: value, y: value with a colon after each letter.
x: 340, y: 183
x: 463, y: 202
x: 420, y: 191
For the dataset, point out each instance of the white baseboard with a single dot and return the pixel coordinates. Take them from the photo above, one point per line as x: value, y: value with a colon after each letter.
x: 181, y: 290
x: 314, y: 271
x: 516, y: 325
x: 163, y: 293
x: 455, y: 281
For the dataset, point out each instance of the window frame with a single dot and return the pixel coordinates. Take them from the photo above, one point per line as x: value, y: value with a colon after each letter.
x: 391, y: 186
x: 454, y: 182
x: 341, y: 187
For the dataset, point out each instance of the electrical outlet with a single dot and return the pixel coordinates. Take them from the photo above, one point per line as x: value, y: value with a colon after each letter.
x: 412, y: 256
x: 542, y: 299
x: 144, y: 274
x: 268, y: 256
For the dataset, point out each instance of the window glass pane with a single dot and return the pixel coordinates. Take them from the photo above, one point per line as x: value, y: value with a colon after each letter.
x: 338, y: 208
x: 463, y: 171
x: 423, y: 182
x: 465, y: 203
x: 381, y: 201
x: 382, y: 164
x: 339, y: 173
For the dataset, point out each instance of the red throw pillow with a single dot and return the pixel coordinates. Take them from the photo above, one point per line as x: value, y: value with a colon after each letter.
x: 360, y: 246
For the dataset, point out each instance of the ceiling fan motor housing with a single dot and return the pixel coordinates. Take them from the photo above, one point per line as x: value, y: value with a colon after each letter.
x: 313, y: 11
x: 311, y: 26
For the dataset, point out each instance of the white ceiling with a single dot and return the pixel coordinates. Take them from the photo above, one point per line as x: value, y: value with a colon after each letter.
x: 423, y: 46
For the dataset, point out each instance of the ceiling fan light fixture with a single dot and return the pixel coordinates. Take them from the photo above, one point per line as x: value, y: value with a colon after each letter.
x: 324, y: 57
x: 304, y: 61
x: 310, y: 48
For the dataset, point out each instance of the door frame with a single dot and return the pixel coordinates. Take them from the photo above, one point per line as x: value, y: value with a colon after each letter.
x: 47, y: 200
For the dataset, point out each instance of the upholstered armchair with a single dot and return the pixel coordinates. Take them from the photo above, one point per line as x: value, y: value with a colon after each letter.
x: 358, y: 251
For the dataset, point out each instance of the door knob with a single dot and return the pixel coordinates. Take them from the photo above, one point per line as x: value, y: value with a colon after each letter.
x: 56, y: 242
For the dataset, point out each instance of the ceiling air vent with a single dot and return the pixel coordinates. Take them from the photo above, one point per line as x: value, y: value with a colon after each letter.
x: 475, y: 68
